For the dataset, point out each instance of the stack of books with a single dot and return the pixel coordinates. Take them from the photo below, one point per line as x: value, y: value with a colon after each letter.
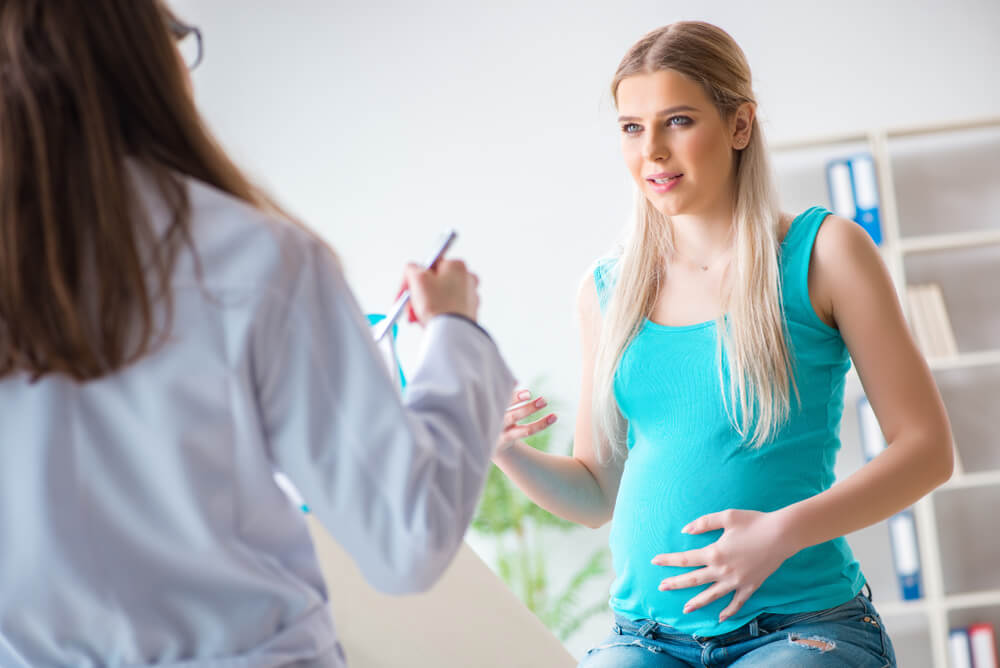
x: 929, y: 320
x: 973, y: 646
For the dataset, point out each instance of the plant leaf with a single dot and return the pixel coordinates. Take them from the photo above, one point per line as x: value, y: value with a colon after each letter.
x: 596, y: 566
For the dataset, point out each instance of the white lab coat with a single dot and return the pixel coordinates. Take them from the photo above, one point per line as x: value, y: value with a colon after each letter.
x: 140, y: 522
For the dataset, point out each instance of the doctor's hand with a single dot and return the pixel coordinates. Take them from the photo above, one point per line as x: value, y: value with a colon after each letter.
x: 447, y: 288
x: 521, y: 408
x: 751, y: 547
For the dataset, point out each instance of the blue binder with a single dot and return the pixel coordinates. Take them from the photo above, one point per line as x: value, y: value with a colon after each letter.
x: 959, y: 649
x: 853, y: 189
x: 905, y: 554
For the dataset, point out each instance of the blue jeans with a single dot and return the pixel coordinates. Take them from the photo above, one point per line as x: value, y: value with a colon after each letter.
x: 849, y: 636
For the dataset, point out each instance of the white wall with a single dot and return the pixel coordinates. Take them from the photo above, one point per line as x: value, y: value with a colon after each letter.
x: 383, y: 123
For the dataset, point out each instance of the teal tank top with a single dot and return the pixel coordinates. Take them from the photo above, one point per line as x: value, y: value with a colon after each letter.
x: 686, y: 460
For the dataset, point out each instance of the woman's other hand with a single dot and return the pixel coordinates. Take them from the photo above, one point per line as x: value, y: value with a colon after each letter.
x: 521, y: 408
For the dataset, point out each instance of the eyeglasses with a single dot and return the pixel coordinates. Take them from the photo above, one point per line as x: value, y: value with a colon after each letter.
x: 189, y: 41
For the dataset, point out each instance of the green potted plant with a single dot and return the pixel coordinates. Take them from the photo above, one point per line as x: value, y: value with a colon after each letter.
x: 514, y: 522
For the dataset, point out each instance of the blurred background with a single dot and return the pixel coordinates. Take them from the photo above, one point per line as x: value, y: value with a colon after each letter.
x: 381, y: 124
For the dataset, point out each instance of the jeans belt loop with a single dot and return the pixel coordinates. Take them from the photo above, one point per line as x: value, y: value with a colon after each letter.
x: 647, y: 629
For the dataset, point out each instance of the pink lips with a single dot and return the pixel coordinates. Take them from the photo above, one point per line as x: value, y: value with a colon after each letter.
x: 675, y: 178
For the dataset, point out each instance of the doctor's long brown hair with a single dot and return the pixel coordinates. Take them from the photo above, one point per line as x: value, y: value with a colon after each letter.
x: 84, y: 87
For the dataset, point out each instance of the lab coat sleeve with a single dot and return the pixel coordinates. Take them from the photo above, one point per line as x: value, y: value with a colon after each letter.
x: 395, y: 481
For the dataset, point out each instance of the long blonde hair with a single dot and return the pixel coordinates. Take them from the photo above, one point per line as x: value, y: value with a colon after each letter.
x: 752, y: 335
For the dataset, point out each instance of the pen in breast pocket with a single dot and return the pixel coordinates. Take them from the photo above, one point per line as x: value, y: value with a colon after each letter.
x: 385, y: 326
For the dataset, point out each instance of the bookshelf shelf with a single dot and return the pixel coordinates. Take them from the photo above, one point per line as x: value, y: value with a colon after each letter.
x: 897, y: 608
x: 939, y: 128
x: 965, y: 360
x: 979, y: 599
x: 962, y: 361
x: 971, y: 480
x: 928, y: 178
x: 939, y: 242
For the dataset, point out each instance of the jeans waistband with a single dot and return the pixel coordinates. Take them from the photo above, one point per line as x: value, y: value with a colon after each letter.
x: 647, y: 628
x: 654, y: 630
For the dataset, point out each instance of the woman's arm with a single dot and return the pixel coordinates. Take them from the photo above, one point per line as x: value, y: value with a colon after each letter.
x: 576, y: 487
x: 859, y: 297
x: 396, y: 481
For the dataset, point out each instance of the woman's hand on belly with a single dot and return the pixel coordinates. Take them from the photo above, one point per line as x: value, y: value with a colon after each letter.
x: 752, y: 546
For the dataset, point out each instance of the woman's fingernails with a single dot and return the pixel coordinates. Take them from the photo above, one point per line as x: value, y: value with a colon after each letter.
x: 524, y: 394
x: 552, y: 419
x: 540, y: 403
x: 722, y: 618
x: 687, y: 609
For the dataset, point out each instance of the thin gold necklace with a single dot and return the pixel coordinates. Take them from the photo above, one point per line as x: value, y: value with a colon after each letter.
x: 705, y: 266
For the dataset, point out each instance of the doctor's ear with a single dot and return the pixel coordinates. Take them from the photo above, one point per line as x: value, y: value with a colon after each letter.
x: 741, y: 125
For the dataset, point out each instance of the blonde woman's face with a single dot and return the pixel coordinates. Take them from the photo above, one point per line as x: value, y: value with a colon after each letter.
x: 677, y: 147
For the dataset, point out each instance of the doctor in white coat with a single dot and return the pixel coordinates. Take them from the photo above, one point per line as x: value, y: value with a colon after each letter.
x: 168, y: 341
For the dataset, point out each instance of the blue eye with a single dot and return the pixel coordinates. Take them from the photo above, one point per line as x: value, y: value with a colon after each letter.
x: 680, y: 120
x: 630, y: 128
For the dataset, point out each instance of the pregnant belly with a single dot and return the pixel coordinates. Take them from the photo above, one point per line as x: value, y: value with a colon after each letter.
x: 657, y: 499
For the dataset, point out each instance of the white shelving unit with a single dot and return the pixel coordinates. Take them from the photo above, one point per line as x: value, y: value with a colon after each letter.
x: 907, y: 181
